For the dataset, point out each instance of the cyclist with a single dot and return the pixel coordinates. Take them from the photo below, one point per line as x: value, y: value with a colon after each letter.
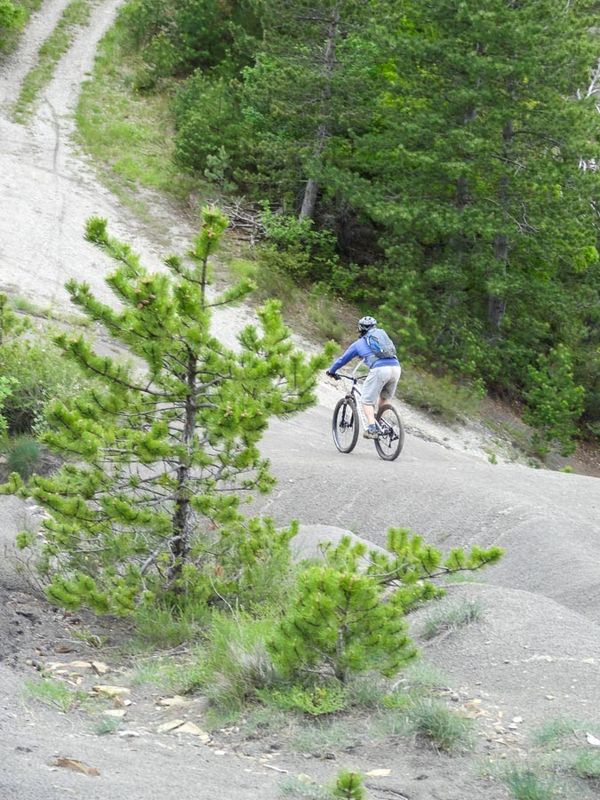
x: 382, y: 380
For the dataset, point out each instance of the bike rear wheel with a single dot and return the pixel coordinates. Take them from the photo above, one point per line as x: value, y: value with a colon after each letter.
x: 391, y: 441
x: 345, y: 425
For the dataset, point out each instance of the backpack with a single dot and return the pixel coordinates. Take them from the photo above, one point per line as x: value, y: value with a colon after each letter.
x: 380, y: 344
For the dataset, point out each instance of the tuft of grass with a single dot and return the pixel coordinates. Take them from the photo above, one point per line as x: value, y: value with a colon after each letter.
x: 452, y: 616
x: 169, y: 674
x: 91, y: 639
x: 54, y: 693
x: 31, y: 309
x: 315, y: 305
x: 162, y: 628
x: 238, y: 663
x: 554, y: 731
x: 439, y: 396
x: 22, y: 456
x: 526, y: 785
x: 586, y: 764
x: 320, y: 737
x: 366, y: 692
x: 75, y: 15
x: 294, y: 787
x: 422, y: 677
x: 261, y: 721
x: 106, y: 725
x: 395, y: 720
x: 439, y: 725
x: 26, y: 306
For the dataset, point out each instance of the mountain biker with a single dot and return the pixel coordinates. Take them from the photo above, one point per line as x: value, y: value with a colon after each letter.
x: 382, y: 380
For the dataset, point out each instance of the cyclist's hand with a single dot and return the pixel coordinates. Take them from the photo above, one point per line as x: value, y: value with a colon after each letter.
x: 332, y: 375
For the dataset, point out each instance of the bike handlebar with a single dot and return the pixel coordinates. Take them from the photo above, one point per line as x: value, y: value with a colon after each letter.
x: 355, y: 378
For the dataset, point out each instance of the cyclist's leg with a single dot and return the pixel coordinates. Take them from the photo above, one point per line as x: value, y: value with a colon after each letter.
x: 371, y: 392
x: 388, y: 389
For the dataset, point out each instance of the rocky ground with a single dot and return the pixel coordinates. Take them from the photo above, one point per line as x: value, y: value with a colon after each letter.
x: 532, y: 659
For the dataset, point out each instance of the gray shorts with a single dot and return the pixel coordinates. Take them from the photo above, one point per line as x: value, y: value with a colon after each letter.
x: 380, y: 382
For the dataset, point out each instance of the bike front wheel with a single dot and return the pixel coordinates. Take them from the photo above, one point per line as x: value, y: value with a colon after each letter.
x: 345, y: 425
x: 391, y: 440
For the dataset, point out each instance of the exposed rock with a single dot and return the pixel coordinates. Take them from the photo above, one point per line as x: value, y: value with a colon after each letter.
x: 110, y: 691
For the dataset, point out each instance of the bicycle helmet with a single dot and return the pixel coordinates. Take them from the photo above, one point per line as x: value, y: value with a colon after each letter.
x: 365, y: 324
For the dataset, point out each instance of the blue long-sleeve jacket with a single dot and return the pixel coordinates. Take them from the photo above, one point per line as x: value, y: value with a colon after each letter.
x: 360, y: 349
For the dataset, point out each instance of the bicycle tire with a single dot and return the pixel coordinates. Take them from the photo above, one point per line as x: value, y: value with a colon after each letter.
x: 345, y: 425
x: 389, y: 444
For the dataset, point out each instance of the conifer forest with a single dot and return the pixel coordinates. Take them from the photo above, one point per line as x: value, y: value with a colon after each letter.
x: 437, y: 161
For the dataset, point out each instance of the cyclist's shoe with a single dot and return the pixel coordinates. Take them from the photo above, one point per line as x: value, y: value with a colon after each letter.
x: 372, y: 432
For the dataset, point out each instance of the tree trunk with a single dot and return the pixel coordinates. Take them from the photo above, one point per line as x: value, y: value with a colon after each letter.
x: 309, y: 201
x: 496, y: 301
x: 182, y: 517
x: 311, y: 191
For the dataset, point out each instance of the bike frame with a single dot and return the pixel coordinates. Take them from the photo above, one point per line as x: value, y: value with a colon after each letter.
x: 355, y: 393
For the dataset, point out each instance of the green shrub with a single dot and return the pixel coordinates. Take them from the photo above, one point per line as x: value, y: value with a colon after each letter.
x: 207, y: 138
x: 40, y: 374
x: 555, y: 402
x: 250, y: 566
x: 6, y: 385
x: 12, y: 19
x: 23, y: 456
x: 338, y: 621
x: 296, y: 248
x: 178, y: 36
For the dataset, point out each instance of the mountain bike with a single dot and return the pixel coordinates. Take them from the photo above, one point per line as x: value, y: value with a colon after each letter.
x: 349, y: 419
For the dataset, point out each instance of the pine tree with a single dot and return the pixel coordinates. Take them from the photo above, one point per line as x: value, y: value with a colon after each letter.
x: 161, y: 454
x: 473, y: 172
x: 310, y: 92
x: 347, y: 614
x: 349, y: 785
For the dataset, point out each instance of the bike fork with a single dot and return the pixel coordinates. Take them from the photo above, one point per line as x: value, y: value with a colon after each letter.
x: 361, y: 415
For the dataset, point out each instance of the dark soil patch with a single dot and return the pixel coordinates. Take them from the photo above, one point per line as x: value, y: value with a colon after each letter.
x: 32, y: 631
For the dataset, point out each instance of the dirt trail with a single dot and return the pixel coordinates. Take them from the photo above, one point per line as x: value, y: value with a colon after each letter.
x: 539, y: 636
